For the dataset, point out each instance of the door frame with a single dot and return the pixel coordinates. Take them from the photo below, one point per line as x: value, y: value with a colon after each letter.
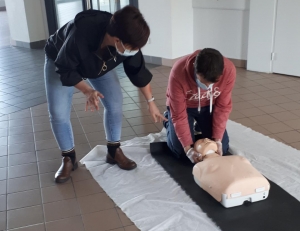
x: 51, y: 12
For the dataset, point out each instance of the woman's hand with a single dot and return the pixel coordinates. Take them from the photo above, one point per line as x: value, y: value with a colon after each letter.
x: 92, y: 99
x: 154, y: 112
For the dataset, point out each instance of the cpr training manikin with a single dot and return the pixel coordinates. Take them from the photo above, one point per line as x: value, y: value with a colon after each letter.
x: 231, y: 180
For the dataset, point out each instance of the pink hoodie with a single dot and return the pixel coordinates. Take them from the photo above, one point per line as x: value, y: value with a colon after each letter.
x: 183, y: 93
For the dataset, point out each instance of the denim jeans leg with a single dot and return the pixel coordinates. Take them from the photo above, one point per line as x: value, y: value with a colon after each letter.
x: 59, y: 106
x: 109, y: 86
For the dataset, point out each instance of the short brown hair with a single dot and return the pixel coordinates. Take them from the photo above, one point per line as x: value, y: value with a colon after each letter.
x: 210, y: 63
x: 129, y: 25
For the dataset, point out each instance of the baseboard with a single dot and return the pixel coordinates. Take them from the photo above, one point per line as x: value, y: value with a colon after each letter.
x: 170, y: 62
x: 3, y: 8
x: 30, y: 45
x: 239, y: 62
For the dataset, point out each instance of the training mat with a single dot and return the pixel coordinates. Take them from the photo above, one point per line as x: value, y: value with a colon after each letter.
x: 147, y: 194
x: 280, y: 211
x: 154, y: 201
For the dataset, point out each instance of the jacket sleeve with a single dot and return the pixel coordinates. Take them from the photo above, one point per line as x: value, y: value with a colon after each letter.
x: 67, y: 61
x: 136, y: 70
x: 223, y: 104
x: 178, y: 106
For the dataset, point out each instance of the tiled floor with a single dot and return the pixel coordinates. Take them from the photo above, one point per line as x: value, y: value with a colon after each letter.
x: 268, y: 103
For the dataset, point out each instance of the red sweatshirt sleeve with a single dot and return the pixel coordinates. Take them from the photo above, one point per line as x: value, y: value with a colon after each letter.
x: 223, y: 104
x: 177, y: 103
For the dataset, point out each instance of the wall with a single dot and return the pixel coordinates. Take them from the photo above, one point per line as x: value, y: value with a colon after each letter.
x: 261, y: 35
x: 182, y: 28
x: 158, y: 15
x: 2, y: 3
x: 222, y: 25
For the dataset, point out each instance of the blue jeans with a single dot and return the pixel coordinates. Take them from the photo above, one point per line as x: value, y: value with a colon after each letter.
x: 204, y: 124
x: 60, y: 102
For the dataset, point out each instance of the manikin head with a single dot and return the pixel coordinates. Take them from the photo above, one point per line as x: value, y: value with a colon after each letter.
x: 206, y: 147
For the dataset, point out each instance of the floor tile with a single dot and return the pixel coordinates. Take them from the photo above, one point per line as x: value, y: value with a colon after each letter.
x: 95, y: 203
x: 128, y: 131
x: 246, y: 122
x: 3, y: 220
x: 3, y: 161
x: 3, y: 150
x: 290, y: 106
x: 48, y: 154
x: 25, y: 216
x: 285, y: 116
x: 80, y: 174
x: 58, y: 192
x: 3, y: 187
x: 131, y: 228
x: 43, y: 135
x: 39, y: 227
x: 124, y: 219
x: 272, y: 109
x: 277, y: 127
x: 23, y: 138
x: 139, y: 121
x: 49, y: 166
x: 47, y: 180
x: 296, y: 145
x: 68, y: 224
x: 61, y: 209
x: 21, y: 148
x: 2, y: 203
x: 263, y: 119
x: 146, y: 128
x: 19, y: 159
x: 252, y: 112
x: 289, y: 137
x: 87, y: 187
x: 46, y: 144
x: 22, y: 184
x: 295, y: 124
x: 3, y: 173
x: 108, y: 219
x: 260, y: 102
x: 20, y: 122
x: 24, y: 199
x: 22, y: 170
x: 20, y: 130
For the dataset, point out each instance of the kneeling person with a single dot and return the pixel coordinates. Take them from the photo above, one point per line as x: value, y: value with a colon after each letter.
x: 199, y: 90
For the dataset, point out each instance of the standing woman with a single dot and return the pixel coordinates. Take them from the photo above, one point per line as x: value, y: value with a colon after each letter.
x: 90, y: 47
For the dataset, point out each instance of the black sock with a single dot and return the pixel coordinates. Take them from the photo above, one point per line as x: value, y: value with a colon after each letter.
x: 71, y: 154
x: 112, y: 147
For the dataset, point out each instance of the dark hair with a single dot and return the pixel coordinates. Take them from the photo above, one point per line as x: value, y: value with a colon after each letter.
x: 129, y: 25
x: 210, y: 63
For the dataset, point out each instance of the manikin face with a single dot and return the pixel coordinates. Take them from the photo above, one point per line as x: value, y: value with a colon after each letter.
x: 206, y: 146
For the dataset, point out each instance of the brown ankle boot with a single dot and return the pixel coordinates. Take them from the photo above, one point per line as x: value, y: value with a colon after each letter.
x: 121, y: 160
x: 64, y: 172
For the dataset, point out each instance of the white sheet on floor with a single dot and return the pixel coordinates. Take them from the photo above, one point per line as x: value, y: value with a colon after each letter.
x: 154, y: 201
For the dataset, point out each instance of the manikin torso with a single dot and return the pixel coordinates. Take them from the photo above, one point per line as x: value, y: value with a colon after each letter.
x: 230, y: 176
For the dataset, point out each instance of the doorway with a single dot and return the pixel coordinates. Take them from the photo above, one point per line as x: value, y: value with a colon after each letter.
x: 59, y: 12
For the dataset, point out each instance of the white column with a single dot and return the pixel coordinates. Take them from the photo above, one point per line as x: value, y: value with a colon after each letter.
x: 27, y: 22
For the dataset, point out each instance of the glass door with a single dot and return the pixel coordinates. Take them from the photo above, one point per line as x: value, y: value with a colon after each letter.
x: 59, y: 12
x: 109, y: 5
x: 67, y: 9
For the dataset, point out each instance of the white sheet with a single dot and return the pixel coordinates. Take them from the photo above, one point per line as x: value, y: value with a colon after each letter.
x: 154, y: 201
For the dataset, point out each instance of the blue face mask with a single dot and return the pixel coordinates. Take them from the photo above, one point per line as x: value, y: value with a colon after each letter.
x: 202, y: 85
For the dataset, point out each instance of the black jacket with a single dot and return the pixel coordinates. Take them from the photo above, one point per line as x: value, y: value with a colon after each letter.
x: 73, y: 48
